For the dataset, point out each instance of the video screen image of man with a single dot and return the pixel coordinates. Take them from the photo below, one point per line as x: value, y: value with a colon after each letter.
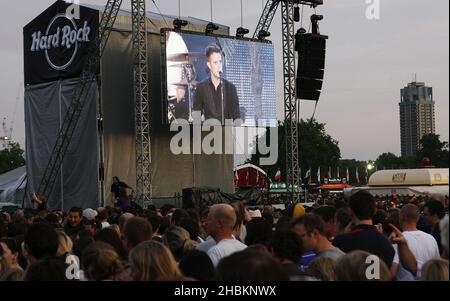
x: 215, y: 97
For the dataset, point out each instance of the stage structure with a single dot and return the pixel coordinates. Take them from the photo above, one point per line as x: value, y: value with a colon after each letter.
x: 118, y: 129
x: 289, y: 15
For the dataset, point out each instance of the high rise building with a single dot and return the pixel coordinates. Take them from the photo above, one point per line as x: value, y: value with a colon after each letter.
x: 416, y: 116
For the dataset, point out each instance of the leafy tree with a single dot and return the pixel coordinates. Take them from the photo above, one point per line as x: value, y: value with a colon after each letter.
x: 316, y: 148
x: 433, y: 148
x: 11, y: 158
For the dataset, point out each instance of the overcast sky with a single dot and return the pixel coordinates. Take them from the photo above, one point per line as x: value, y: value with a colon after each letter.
x: 368, y: 62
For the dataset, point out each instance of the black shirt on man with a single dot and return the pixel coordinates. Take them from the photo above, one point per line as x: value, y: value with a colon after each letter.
x: 366, y: 238
x: 208, y: 100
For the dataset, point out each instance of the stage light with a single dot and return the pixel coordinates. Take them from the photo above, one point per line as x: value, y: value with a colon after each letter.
x: 178, y: 23
x: 263, y: 34
x: 241, y: 32
x: 315, y: 23
x: 296, y: 13
x: 211, y: 27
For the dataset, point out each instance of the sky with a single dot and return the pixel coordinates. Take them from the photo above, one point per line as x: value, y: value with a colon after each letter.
x: 367, y: 63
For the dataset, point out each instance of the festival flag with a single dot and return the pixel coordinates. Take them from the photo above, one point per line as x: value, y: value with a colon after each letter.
x: 278, y: 175
x: 348, y: 176
x: 307, y: 178
x: 357, y: 176
x: 318, y: 175
x: 329, y: 172
x: 337, y: 173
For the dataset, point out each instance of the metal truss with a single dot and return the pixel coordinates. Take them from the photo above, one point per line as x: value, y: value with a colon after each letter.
x: 290, y: 100
x: 142, y: 103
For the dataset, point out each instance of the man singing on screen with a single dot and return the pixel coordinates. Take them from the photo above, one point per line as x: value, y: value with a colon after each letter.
x: 216, y: 97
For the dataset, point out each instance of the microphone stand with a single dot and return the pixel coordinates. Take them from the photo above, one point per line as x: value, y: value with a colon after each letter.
x: 221, y: 92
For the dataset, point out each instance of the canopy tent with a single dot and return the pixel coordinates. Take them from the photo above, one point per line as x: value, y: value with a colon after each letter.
x: 408, y: 182
x: 12, y: 185
x: 410, y: 177
x: 441, y: 190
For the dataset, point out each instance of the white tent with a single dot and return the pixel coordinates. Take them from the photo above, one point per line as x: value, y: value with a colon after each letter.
x: 426, y: 181
x: 12, y: 185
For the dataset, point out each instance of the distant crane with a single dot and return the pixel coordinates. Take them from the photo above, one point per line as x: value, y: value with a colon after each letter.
x: 6, y: 137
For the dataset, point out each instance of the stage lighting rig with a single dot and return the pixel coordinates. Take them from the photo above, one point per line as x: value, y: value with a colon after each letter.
x: 178, y: 23
x: 211, y: 27
x: 241, y: 32
x: 263, y: 34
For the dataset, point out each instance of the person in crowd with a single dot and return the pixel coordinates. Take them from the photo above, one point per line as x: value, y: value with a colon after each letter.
x: 111, y: 237
x: 192, y: 226
x: 323, y: 268
x: 287, y: 247
x: 65, y: 245
x: 343, y: 220
x: 48, y: 269
x: 251, y: 265
x: 179, y: 242
x: 136, y: 230
x: 242, y: 217
x: 311, y: 229
x: 101, y: 262
x: 422, y: 245
x: 436, y: 269
x: 178, y: 215
x: 10, y: 269
x: 356, y: 266
x: 103, y: 219
x: 444, y: 236
x: 220, y: 224
x: 327, y: 213
x: 364, y: 235
x: 433, y: 212
x: 123, y: 219
x: 197, y: 264
x: 151, y: 260
x: 259, y: 231
x: 40, y: 241
x: 74, y: 221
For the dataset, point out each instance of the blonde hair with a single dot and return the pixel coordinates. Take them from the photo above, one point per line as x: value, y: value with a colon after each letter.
x: 153, y: 260
x: 65, y: 244
x: 324, y: 266
x: 435, y: 270
x: 353, y: 267
x: 178, y: 240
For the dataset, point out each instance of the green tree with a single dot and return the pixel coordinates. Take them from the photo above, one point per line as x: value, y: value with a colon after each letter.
x: 11, y: 158
x: 433, y: 148
x: 391, y: 161
x: 316, y: 148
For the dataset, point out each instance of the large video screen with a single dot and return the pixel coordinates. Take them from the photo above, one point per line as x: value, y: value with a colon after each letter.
x: 220, y: 78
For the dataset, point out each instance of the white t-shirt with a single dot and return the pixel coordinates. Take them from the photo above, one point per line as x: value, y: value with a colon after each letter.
x: 225, y: 248
x: 423, y: 246
x: 206, y: 245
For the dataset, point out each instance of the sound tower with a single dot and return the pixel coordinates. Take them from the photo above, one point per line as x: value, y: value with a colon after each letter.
x: 311, y: 65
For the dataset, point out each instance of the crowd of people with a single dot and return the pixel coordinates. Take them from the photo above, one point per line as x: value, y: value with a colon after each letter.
x: 359, y: 239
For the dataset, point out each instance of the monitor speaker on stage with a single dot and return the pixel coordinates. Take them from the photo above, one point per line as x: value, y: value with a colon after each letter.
x: 311, y: 65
